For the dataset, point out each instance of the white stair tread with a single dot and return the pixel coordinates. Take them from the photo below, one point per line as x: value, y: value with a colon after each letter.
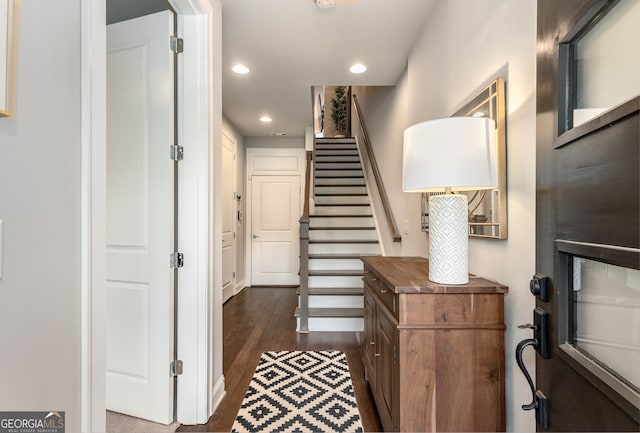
x: 342, y: 210
x: 340, y: 190
x: 329, y: 248
x: 333, y: 312
x: 354, y: 200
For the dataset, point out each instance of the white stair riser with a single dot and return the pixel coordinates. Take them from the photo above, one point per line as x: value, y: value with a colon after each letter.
x: 342, y: 210
x: 338, y: 173
x: 337, y: 190
x: 336, y: 235
x: 337, y: 146
x: 335, y: 264
x: 328, y: 181
x: 342, y: 199
x: 320, y: 159
x: 316, y: 281
x: 337, y: 165
x: 360, y: 249
x: 324, y: 301
x: 323, y: 141
x: 334, y: 324
x: 341, y: 222
x: 337, y: 152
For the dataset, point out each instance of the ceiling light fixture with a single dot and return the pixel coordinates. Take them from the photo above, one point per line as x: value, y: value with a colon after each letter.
x: 358, y: 68
x: 325, y: 4
x: 240, y: 69
x: 266, y: 119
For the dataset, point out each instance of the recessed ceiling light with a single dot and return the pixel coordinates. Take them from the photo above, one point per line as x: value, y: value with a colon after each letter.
x: 325, y: 4
x: 240, y: 69
x: 358, y: 68
x: 266, y: 119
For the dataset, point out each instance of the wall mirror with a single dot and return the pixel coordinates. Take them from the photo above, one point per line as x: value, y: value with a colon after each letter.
x: 8, y: 53
x: 487, y: 208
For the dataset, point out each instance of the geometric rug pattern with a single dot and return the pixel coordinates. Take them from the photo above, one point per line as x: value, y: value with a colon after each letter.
x: 300, y: 391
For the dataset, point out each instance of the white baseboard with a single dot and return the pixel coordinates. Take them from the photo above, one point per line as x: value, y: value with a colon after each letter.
x: 217, y: 394
x: 239, y: 286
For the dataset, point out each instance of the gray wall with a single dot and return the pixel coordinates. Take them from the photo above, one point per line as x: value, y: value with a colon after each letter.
x: 122, y: 10
x: 40, y: 205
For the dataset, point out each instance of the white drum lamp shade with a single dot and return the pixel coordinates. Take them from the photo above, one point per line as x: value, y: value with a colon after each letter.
x: 454, y: 153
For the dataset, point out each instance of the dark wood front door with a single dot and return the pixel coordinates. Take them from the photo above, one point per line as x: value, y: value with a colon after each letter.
x: 588, y: 201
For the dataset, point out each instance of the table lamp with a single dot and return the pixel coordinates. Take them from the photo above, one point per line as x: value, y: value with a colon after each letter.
x: 445, y: 155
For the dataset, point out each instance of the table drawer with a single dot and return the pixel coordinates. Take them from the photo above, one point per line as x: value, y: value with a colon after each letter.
x: 385, y: 293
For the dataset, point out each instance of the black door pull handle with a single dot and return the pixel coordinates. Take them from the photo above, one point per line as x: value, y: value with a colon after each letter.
x: 519, y: 349
x: 540, y: 344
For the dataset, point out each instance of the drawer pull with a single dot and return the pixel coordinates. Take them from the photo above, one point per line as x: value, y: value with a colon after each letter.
x: 377, y: 354
x: 372, y: 343
x: 374, y: 279
x: 383, y: 290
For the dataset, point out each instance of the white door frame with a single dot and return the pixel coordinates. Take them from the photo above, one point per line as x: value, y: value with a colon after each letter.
x: 269, y: 162
x: 199, y: 339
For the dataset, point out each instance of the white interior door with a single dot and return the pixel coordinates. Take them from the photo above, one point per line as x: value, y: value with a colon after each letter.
x: 140, y: 218
x: 275, y: 211
x: 228, y: 218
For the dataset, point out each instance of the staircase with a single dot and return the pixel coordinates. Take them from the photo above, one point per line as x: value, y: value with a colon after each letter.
x: 341, y: 229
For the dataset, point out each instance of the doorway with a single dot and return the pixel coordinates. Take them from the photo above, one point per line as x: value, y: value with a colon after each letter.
x: 275, y: 204
x: 229, y: 216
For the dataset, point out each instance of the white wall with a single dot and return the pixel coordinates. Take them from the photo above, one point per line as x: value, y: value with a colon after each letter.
x: 385, y: 110
x: 274, y: 142
x: 463, y: 47
x: 40, y: 205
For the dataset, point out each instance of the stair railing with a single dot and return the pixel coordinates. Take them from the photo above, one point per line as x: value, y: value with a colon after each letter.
x: 376, y: 174
x: 304, y: 251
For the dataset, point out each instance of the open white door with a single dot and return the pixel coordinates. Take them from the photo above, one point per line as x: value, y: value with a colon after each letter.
x: 275, y: 210
x: 140, y: 218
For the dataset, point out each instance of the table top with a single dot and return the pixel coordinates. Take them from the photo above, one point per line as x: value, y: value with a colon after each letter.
x: 411, y: 275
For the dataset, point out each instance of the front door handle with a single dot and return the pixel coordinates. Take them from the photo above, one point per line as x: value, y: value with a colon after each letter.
x: 541, y: 345
x: 255, y: 236
x: 519, y: 349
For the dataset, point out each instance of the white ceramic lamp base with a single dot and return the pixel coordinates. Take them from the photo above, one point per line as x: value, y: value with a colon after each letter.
x: 448, y: 239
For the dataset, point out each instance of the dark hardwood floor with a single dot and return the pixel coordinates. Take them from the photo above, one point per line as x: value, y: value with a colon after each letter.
x: 261, y: 319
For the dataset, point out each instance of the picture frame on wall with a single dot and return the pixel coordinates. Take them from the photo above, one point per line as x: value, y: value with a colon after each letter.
x: 8, y: 56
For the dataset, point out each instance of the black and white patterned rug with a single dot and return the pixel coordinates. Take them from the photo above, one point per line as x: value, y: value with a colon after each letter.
x: 307, y: 391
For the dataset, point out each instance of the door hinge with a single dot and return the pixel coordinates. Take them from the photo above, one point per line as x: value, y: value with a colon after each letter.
x: 177, y: 260
x: 176, y: 368
x: 233, y: 275
x: 177, y: 153
x: 177, y: 44
x: 395, y: 354
x: 234, y: 235
x: 395, y: 423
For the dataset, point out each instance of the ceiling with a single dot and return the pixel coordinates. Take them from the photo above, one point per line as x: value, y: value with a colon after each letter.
x: 291, y: 45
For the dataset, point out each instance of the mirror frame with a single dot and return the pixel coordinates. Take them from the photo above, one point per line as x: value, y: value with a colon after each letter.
x: 493, y: 98
x: 8, y: 53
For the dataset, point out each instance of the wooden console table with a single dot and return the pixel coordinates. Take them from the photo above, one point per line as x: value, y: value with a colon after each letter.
x: 433, y: 354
